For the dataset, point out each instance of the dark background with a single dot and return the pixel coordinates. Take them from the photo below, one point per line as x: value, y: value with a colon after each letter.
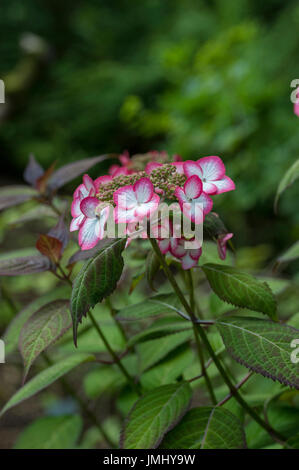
x: 194, y: 77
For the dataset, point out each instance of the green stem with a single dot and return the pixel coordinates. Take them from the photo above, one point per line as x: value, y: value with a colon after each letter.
x: 206, y: 342
x: 114, y: 356
x: 197, y: 340
x: 124, y: 371
x: 238, y: 386
x: 117, y: 323
x: 84, y: 407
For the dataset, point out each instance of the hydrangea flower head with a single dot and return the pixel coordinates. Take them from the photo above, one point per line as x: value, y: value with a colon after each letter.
x: 134, y: 202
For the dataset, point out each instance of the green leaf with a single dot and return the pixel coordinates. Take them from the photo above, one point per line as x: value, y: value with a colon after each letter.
x: 151, y: 268
x: 160, y: 329
x: 51, y: 432
x: 169, y: 369
x: 43, y: 328
x: 263, y: 346
x: 153, y: 306
x: 282, y: 417
x: 96, y: 280
x: 46, y: 378
x: 288, y: 179
x: 241, y: 289
x: 206, y: 428
x: 150, y: 352
x: 104, y: 379
x: 11, y: 336
x: 154, y: 414
x: 290, y: 255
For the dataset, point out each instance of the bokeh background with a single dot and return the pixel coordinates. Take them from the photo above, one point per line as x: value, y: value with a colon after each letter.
x: 193, y: 77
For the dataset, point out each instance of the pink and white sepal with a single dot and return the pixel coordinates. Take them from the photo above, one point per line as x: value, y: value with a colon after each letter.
x: 194, y: 202
x: 187, y: 256
x: 85, y: 189
x: 221, y: 244
x: 211, y: 171
x: 92, y: 229
x: 135, y: 202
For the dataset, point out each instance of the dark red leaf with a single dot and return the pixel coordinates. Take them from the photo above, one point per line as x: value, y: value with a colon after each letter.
x: 42, y: 182
x: 50, y: 247
x: 61, y: 232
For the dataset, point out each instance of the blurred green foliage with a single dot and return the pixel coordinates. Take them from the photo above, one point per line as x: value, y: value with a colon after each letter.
x: 196, y: 78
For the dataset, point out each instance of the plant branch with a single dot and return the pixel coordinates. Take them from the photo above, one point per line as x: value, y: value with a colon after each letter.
x: 237, y: 387
x: 197, y: 340
x: 116, y: 359
x: 233, y: 390
x: 112, y: 353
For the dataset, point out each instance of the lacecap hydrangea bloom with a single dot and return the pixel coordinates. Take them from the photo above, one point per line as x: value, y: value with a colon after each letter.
x: 133, y: 190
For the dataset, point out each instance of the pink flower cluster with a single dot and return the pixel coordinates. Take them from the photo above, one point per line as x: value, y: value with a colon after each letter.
x: 134, y: 189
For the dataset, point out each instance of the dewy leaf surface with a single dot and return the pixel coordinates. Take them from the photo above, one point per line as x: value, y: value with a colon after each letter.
x: 96, y: 280
x: 206, y: 428
x: 241, y: 289
x: 263, y: 346
x: 154, y: 414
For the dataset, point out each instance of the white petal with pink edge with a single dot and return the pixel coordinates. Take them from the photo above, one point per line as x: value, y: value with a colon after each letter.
x: 164, y: 245
x: 75, y: 207
x: 76, y: 223
x: 102, y: 180
x: 179, y: 167
x: 88, y: 206
x: 193, y: 187
x: 144, y: 190
x: 87, y: 234
x: 88, y: 182
x: 188, y: 262
x: 212, y: 168
x: 206, y: 201
x: 102, y: 219
x: 192, y: 168
x: 224, y: 185
x: 180, y: 194
x: 124, y: 215
x: 125, y: 197
x: 209, y: 188
x: 152, y: 166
